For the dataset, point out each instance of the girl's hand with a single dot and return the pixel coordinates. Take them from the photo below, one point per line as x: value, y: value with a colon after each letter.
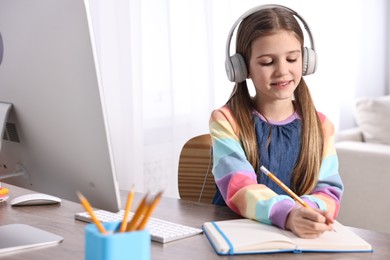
x: 309, y: 222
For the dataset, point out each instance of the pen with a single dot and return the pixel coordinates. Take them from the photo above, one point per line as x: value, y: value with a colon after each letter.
x: 283, y: 186
x: 88, y: 208
x: 137, y: 215
x: 127, y: 210
x: 149, y: 211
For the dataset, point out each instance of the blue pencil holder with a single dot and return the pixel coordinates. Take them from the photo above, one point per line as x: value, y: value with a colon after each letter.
x: 115, y: 246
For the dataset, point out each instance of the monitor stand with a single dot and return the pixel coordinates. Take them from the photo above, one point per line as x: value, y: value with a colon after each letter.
x: 4, y: 111
x: 16, y: 237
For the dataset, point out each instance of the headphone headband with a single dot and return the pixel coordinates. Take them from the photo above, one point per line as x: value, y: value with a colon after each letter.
x: 232, y: 62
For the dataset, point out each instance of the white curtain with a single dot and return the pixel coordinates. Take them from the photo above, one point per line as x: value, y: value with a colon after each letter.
x: 162, y: 64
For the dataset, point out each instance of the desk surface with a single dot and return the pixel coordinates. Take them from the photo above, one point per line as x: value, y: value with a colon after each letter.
x: 59, y: 219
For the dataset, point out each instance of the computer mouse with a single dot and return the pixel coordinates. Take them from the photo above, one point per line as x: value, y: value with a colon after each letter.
x: 34, y: 199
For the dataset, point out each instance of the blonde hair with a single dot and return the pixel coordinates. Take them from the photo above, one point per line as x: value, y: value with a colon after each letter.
x: 306, y: 170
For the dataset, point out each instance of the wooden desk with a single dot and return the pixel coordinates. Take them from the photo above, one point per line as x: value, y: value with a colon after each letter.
x: 59, y: 219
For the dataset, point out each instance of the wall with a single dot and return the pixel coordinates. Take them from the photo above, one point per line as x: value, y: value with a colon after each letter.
x: 371, y: 75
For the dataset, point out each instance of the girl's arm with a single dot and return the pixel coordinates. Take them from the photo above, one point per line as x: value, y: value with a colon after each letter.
x: 325, y: 197
x: 236, y: 178
x: 329, y: 189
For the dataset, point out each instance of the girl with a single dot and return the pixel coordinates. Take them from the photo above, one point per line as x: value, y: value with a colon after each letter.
x: 279, y: 128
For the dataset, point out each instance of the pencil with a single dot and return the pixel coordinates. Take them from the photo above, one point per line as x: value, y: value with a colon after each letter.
x: 283, y: 186
x: 88, y: 208
x: 3, y: 191
x: 149, y: 211
x: 138, y: 214
x: 127, y: 210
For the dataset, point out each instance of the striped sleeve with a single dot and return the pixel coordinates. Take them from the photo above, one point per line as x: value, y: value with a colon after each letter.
x: 329, y: 189
x: 236, y: 178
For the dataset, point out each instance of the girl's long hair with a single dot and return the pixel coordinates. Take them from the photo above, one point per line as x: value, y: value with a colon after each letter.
x: 306, y: 170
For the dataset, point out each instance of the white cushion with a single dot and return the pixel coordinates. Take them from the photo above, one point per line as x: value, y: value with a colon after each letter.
x: 373, y: 117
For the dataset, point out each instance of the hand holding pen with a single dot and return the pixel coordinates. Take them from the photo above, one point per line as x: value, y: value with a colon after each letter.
x: 305, y: 222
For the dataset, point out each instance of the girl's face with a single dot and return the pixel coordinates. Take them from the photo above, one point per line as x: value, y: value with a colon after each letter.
x: 275, y: 66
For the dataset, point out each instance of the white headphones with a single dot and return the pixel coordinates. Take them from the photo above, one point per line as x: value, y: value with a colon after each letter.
x: 235, y: 66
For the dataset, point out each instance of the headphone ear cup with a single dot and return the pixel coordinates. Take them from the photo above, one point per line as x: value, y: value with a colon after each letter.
x: 236, y: 68
x: 309, y: 61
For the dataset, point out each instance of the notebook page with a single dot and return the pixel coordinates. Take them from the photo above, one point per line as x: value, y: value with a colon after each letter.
x: 248, y: 236
x: 341, y: 239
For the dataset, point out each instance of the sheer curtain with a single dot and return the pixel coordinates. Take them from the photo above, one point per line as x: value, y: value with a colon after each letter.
x: 158, y: 81
x: 162, y: 66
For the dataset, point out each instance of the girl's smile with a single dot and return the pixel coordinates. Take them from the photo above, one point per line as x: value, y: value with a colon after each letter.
x: 281, y: 84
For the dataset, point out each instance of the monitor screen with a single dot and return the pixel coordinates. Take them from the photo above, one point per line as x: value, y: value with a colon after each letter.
x: 54, y: 135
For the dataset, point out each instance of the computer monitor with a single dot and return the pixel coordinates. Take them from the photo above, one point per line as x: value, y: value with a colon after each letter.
x: 55, y: 132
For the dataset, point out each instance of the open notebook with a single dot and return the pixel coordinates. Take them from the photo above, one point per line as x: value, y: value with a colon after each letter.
x: 246, y: 236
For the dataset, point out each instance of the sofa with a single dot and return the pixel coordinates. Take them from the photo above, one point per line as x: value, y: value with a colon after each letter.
x: 364, y: 166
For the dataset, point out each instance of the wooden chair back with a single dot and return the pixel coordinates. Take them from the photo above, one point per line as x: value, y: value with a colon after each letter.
x: 195, y: 178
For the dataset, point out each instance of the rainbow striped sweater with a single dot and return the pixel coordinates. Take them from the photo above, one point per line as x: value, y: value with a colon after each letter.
x: 239, y: 184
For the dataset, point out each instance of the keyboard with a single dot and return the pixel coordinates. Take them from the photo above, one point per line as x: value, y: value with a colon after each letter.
x: 160, y: 230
